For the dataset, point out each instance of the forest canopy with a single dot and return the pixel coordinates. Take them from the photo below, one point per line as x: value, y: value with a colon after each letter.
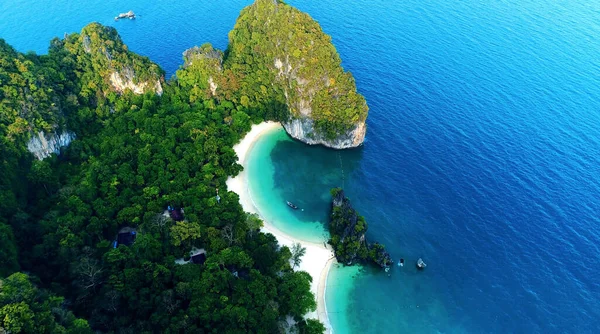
x: 139, y: 156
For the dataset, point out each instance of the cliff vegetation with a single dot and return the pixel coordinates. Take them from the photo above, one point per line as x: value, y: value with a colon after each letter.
x: 141, y: 146
x: 280, y: 64
x: 103, y: 64
x: 348, y: 229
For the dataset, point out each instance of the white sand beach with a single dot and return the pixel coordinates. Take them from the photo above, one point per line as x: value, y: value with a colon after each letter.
x: 318, y: 258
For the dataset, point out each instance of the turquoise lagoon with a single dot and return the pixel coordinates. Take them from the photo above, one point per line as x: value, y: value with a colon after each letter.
x: 280, y: 169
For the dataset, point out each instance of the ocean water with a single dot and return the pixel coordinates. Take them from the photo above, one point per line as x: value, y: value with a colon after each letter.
x: 482, y: 153
x: 272, y: 185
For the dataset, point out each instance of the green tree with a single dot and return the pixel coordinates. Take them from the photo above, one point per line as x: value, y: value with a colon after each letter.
x: 41, y: 174
x: 8, y: 251
x: 25, y: 309
x: 295, y: 297
x: 253, y: 223
x: 310, y: 326
x: 297, y: 253
x: 184, y: 233
x: 17, y: 318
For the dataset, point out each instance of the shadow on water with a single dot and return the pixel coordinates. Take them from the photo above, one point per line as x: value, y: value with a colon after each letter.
x: 305, y: 174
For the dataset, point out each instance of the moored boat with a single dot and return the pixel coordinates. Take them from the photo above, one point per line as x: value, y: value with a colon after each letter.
x: 291, y: 205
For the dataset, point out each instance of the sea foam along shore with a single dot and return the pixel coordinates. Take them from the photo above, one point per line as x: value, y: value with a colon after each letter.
x: 318, y: 258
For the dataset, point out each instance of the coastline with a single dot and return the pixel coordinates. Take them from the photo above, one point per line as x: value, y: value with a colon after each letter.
x: 318, y: 258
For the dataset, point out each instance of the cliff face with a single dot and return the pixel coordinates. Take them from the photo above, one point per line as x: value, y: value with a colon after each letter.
x: 125, y: 81
x: 348, y: 229
x: 42, y: 145
x: 80, y: 70
x: 302, y: 63
x: 279, y: 58
x: 304, y: 130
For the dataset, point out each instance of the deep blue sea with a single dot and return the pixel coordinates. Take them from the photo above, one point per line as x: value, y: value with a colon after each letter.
x: 482, y: 153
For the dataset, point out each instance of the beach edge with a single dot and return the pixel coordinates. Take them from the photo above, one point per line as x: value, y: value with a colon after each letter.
x: 318, y: 258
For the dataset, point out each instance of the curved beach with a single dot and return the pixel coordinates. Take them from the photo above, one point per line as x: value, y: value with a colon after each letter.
x: 318, y: 258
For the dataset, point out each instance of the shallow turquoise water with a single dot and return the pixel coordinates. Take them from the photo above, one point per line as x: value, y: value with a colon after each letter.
x: 304, y: 178
x: 279, y: 169
x: 269, y: 196
x: 341, y: 283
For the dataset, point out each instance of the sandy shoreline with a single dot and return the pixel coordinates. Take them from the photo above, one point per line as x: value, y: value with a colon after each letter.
x: 318, y: 259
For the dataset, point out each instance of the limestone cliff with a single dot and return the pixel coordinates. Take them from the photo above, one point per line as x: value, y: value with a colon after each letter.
x: 42, y: 145
x: 324, y: 107
x: 303, y: 129
x: 122, y: 81
x: 279, y: 57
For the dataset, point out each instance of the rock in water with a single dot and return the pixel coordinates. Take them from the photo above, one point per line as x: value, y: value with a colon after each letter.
x: 348, y: 231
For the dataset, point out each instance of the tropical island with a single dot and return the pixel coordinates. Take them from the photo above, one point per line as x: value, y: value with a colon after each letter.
x: 119, y: 210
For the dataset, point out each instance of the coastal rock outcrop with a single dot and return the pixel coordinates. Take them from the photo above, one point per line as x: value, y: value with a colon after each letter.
x: 281, y: 62
x: 302, y: 63
x: 100, y: 62
x: 42, y: 145
x: 348, y: 229
x: 303, y: 129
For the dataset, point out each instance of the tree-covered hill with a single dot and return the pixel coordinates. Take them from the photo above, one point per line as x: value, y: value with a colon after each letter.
x: 142, y: 146
x: 104, y: 63
x: 135, y: 156
x: 279, y: 58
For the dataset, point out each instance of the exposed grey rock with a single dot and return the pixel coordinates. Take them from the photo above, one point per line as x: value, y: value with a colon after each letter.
x: 42, y: 145
x: 299, y: 94
x: 303, y: 130
x: 86, y: 44
x: 123, y: 80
